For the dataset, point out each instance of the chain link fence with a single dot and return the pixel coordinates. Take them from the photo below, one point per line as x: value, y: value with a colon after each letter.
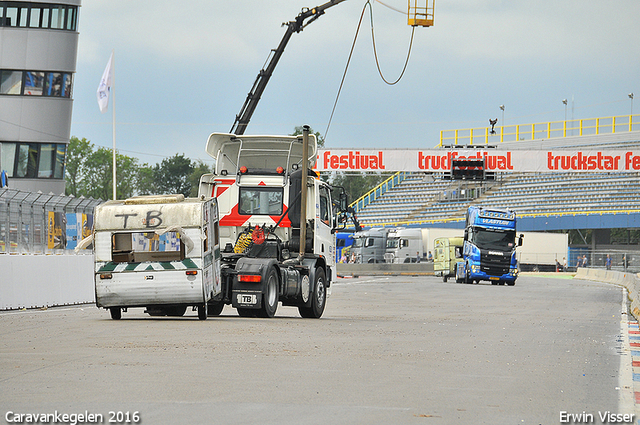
x: 38, y: 223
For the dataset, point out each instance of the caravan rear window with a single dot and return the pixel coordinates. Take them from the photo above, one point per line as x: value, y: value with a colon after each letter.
x: 138, y: 247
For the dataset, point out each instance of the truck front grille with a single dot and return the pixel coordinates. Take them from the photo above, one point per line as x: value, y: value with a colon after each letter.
x: 495, y: 265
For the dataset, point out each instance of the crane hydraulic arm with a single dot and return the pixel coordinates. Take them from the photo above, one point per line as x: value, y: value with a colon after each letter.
x: 304, y: 18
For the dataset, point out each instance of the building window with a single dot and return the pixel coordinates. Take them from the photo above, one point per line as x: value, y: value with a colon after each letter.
x: 33, y: 160
x: 7, y: 157
x: 38, y: 15
x: 33, y: 83
x: 36, y: 83
x: 10, y: 82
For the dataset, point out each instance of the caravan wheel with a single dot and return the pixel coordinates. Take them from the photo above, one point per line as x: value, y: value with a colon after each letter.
x: 116, y: 313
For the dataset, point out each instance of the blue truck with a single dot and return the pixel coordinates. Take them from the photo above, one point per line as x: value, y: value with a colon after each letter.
x: 489, y: 250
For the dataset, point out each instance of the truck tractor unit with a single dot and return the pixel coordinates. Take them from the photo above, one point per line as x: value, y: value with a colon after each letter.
x: 489, y: 250
x: 277, y: 223
x: 369, y: 245
x: 404, y: 246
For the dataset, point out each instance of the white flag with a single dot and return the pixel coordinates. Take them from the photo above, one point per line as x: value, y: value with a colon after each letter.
x: 104, y: 89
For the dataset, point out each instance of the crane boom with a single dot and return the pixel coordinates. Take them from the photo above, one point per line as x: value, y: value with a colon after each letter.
x: 304, y: 18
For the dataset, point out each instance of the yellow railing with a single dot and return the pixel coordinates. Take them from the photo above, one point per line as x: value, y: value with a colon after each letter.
x: 543, y: 130
x: 378, y: 191
x: 421, y: 13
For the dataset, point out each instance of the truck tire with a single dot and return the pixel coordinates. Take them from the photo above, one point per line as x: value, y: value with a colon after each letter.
x: 214, y: 309
x: 116, y: 313
x: 202, y: 311
x: 444, y: 278
x: 270, y: 296
x: 511, y: 283
x: 318, y: 297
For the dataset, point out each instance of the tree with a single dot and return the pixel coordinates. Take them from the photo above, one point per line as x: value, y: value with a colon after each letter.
x: 298, y: 130
x: 89, y: 172
x: 172, y: 175
x: 356, y: 184
x: 199, y: 168
x: 77, y: 153
x: 97, y: 181
x: 146, y: 184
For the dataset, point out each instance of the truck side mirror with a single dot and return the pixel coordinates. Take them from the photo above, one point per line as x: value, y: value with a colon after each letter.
x: 466, y: 235
x: 344, y: 203
x: 520, y: 239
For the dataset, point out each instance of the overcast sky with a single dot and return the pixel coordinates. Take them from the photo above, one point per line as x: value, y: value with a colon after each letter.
x: 183, y: 69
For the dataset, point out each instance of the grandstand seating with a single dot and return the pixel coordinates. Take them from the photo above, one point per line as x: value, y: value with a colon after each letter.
x: 422, y: 198
x: 418, y: 199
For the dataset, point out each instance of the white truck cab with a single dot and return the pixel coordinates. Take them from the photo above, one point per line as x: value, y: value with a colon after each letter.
x: 258, y: 185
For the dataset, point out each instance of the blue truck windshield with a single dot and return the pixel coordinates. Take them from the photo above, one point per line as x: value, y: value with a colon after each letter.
x: 498, y: 240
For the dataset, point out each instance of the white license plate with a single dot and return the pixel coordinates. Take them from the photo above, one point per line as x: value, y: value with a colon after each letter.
x: 247, y: 299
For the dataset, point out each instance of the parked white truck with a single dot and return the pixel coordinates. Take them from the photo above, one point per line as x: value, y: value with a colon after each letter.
x: 406, y: 245
x: 369, y: 246
x: 158, y: 252
x: 277, y: 223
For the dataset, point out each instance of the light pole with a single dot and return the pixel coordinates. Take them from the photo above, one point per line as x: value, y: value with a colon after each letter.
x: 564, y: 102
x: 502, y: 109
x: 631, y: 97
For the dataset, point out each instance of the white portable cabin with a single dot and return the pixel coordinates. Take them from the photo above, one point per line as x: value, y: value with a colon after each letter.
x: 155, y: 251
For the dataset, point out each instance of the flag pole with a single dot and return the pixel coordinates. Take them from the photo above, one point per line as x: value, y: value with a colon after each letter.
x: 113, y: 119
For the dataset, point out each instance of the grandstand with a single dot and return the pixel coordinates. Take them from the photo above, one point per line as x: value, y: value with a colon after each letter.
x: 591, y: 200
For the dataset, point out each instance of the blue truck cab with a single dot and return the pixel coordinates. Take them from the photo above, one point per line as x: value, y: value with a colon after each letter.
x: 489, y: 250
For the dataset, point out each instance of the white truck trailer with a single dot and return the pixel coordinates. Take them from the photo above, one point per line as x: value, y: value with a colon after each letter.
x: 158, y: 252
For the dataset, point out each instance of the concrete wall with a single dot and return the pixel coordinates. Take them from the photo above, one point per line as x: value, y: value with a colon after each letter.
x: 36, y: 281
x: 377, y: 269
x: 630, y: 281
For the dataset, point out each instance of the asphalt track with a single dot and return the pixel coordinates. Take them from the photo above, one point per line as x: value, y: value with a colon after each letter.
x: 388, y: 350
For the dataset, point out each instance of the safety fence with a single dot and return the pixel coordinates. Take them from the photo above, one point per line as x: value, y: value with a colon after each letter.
x: 543, y: 130
x: 38, y: 223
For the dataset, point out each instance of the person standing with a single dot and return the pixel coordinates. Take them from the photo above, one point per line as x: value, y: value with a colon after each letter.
x: 608, y: 262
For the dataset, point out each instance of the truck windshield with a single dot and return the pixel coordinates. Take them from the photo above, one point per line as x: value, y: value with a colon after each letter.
x: 393, y: 243
x: 499, y: 240
x: 357, y: 242
x: 260, y: 201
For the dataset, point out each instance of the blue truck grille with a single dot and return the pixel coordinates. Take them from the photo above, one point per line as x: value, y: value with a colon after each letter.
x: 494, y: 265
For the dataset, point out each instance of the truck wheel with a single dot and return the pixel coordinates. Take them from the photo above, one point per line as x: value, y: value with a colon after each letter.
x: 318, y: 298
x: 270, y: 296
x: 202, y: 311
x: 511, y: 283
x: 444, y: 278
x: 116, y: 313
x: 214, y: 309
